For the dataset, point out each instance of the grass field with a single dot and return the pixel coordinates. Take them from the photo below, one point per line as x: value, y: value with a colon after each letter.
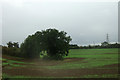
x: 81, y: 63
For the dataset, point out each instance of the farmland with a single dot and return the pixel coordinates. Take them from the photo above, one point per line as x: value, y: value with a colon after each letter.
x: 80, y: 63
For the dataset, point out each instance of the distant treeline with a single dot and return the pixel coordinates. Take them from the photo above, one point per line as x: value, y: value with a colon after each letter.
x: 75, y: 46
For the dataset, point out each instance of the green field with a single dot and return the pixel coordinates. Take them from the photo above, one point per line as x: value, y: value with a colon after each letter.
x: 80, y: 63
x: 93, y: 57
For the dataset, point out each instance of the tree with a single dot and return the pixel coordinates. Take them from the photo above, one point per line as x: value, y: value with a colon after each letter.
x: 74, y: 46
x: 30, y: 48
x: 12, y: 49
x: 105, y: 44
x: 54, y: 42
x: 10, y: 44
x: 15, y: 44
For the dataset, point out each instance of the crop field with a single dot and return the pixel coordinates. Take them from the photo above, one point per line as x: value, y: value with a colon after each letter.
x: 80, y: 63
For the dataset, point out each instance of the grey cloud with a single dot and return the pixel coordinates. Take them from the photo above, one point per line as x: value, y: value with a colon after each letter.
x: 84, y: 22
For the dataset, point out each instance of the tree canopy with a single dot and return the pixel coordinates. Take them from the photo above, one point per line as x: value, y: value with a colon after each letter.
x: 13, y: 44
x: 54, y: 42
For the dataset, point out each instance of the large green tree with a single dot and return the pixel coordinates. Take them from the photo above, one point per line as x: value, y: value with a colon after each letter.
x: 54, y: 42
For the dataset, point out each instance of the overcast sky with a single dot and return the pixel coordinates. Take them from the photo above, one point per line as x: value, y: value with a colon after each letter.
x: 86, y: 22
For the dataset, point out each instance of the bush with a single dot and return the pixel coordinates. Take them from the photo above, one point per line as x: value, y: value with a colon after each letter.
x: 55, y: 57
x: 12, y: 51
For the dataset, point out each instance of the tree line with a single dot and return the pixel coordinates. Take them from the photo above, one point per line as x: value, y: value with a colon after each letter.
x: 50, y: 43
x: 75, y: 46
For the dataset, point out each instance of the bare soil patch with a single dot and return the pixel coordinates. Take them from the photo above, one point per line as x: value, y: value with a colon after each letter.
x: 54, y: 62
x: 112, y: 65
x: 57, y: 72
x: 73, y: 59
x: 11, y: 58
